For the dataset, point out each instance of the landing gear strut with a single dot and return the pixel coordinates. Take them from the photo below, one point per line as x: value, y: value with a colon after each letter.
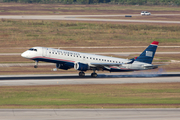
x: 81, y: 74
x: 94, y: 74
x: 36, y: 64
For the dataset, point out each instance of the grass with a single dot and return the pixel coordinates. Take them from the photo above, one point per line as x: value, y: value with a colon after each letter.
x: 91, y: 96
x: 60, y: 33
x: 8, y: 8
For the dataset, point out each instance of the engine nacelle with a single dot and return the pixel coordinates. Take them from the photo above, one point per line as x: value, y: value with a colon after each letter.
x: 81, y: 66
x: 62, y: 66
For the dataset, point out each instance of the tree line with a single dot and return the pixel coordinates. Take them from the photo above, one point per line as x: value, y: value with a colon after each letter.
x: 123, y: 2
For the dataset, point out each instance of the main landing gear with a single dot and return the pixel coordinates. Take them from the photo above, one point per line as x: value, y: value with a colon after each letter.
x: 94, y: 75
x: 82, y: 74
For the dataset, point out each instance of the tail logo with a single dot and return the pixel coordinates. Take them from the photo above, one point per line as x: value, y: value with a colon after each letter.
x: 149, y: 53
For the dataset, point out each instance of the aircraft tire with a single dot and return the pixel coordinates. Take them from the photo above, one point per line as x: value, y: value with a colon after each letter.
x: 35, y: 66
x: 94, y: 75
x: 81, y: 74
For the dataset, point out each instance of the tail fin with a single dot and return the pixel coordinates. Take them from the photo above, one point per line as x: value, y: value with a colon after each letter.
x: 148, y: 54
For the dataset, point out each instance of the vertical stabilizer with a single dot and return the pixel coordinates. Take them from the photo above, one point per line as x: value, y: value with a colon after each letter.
x: 148, y: 54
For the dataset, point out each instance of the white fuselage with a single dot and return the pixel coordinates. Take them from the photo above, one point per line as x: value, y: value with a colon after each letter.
x: 69, y: 58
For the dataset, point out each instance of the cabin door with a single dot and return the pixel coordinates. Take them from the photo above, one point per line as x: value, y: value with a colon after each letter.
x: 45, y: 52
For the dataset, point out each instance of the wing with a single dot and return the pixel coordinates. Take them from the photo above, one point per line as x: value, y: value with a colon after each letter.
x: 106, y: 64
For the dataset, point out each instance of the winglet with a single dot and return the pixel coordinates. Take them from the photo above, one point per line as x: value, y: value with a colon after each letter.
x: 155, y: 43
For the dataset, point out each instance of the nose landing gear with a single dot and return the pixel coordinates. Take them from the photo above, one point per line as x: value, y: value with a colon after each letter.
x: 36, y: 64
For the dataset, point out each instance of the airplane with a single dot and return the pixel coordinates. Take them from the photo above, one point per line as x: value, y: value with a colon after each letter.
x: 84, y: 61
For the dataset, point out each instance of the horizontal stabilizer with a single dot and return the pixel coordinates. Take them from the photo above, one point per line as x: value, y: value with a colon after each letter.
x: 153, y: 66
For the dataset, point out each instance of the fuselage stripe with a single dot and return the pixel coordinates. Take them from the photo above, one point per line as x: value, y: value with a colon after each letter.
x: 52, y: 59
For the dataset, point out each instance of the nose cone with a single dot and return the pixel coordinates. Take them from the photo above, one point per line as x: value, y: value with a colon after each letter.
x: 24, y: 54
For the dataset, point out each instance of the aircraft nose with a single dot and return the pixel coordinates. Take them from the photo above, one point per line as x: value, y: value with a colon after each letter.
x: 24, y: 54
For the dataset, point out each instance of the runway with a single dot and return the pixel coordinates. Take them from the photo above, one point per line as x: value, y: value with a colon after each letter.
x: 86, y: 18
x: 73, y: 79
x: 89, y: 114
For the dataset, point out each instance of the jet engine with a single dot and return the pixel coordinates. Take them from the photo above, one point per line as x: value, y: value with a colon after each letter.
x: 62, y: 66
x: 81, y: 66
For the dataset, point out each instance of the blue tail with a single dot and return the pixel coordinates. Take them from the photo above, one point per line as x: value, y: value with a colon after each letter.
x: 148, y: 54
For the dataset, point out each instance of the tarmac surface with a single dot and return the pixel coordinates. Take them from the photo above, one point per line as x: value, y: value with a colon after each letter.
x: 87, y: 18
x: 90, y: 114
x: 70, y: 79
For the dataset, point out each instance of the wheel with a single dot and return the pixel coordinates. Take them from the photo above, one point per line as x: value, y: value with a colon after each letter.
x: 94, y: 75
x: 81, y: 74
x: 35, y: 66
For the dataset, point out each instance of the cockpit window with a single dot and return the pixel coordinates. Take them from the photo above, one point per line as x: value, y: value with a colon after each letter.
x: 32, y: 49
